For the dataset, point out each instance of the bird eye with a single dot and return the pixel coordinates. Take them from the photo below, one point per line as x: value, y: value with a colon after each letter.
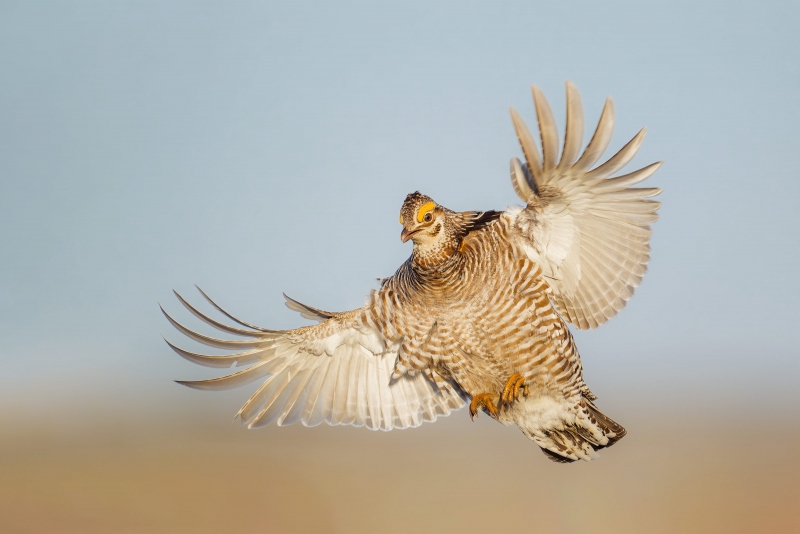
x: 427, y: 217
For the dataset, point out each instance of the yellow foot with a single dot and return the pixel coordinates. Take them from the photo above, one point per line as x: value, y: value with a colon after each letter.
x: 482, y: 400
x: 514, y: 386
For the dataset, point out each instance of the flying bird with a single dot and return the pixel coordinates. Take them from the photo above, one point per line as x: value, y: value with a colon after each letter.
x: 478, y: 314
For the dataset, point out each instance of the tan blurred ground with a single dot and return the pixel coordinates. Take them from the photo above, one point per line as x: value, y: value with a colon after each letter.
x: 114, y: 476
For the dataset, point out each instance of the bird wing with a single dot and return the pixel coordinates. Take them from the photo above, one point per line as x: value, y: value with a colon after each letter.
x: 589, y: 232
x: 338, y: 371
x: 308, y: 312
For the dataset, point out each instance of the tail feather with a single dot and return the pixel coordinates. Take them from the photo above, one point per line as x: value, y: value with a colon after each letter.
x: 567, y: 439
x: 557, y: 458
x: 612, y: 430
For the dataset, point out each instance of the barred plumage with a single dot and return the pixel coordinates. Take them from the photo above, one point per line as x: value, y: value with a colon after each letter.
x: 478, y: 312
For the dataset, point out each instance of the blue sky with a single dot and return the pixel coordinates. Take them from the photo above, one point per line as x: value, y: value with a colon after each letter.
x: 254, y: 148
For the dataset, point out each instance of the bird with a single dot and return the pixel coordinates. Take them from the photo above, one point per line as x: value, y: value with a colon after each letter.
x: 479, y: 313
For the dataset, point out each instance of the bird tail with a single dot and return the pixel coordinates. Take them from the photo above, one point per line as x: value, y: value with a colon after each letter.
x: 578, y: 439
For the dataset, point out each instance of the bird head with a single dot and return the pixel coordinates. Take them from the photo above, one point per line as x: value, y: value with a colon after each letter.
x: 423, y: 220
x: 437, y: 232
x: 432, y: 227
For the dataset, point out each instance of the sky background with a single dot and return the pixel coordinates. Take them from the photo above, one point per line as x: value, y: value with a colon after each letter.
x: 257, y: 148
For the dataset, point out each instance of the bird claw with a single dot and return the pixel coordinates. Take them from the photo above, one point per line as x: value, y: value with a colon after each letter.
x: 482, y: 400
x: 512, y: 390
x: 515, y: 386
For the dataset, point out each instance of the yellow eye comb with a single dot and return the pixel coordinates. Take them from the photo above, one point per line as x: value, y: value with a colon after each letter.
x: 428, y: 206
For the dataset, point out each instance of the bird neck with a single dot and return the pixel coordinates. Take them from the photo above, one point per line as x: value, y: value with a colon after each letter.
x: 437, y: 263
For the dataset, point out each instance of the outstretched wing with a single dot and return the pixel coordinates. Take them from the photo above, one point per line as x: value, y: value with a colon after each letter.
x: 589, y: 232
x: 338, y: 371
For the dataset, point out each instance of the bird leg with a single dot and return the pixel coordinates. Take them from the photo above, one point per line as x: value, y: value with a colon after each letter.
x: 511, y: 392
x: 515, y: 386
x: 482, y: 400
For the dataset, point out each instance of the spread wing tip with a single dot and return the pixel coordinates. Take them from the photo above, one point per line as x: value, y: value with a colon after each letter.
x: 306, y: 311
x: 588, y: 231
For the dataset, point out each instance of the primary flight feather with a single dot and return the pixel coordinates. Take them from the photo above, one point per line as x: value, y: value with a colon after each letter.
x: 477, y: 314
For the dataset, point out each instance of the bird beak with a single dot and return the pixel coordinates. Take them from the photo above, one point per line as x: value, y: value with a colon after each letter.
x: 405, y: 235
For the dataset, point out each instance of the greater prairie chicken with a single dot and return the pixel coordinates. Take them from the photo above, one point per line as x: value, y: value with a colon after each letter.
x: 478, y: 314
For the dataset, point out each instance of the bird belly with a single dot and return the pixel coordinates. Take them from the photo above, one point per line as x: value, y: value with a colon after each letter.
x: 525, y: 337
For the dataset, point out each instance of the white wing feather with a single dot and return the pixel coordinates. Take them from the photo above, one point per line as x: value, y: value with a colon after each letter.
x: 338, y: 372
x: 590, y: 233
